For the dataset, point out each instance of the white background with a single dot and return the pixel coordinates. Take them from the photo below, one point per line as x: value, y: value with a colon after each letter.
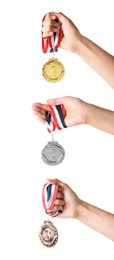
x: 89, y: 163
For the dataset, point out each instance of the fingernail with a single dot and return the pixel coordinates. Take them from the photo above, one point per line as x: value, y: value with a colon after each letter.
x: 60, y: 211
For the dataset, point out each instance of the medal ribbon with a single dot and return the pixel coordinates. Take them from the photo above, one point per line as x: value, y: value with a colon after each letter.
x: 49, y: 194
x: 51, y: 43
x: 55, y: 118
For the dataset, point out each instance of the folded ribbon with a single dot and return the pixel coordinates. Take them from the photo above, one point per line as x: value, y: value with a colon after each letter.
x: 51, y: 43
x: 49, y: 194
x: 55, y: 118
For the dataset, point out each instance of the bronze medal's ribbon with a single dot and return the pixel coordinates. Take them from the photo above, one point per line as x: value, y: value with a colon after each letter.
x: 51, y: 43
x: 49, y: 194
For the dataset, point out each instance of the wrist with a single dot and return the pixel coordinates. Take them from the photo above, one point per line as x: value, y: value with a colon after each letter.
x: 76, y: 213
x: 84, y: 112
x: 90, y: 113
x: 78, y: 42
x: 83, y: 48
x: 82, y: 209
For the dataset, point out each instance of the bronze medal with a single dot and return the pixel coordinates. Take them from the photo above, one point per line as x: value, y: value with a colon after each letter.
x: 53, y: 70
x: 48, y: 234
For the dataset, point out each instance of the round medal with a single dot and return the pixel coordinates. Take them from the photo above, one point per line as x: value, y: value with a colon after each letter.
x: 48, y: 234
x: 53, y: 153
x: 53, y: 70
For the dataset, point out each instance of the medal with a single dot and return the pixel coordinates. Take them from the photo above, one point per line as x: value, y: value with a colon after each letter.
x: 53, y: 153
x: 53, y: 70
x: 48, y: 234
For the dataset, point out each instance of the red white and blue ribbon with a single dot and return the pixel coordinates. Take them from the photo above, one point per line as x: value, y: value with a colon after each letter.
x: 51, y: 43
x: 49, y: 194
x: 55, y: 118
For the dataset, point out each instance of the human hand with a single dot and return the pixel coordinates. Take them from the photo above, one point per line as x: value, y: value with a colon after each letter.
x: 66, y: 200
x: 71, y: 34
x: 76, y: 112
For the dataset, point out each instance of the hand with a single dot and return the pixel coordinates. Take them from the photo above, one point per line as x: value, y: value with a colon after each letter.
x: 66, y: 199
x: 71, y: 34
x: 75, y: 110
x: 100, y: 220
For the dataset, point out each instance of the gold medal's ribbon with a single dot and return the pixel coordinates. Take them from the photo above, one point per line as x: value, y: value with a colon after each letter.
x: 51, y: 43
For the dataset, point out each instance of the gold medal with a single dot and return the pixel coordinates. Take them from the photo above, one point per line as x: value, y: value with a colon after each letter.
x: 53, y: 70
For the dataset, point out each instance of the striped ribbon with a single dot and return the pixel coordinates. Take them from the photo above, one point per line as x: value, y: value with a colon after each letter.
x: 51, y: 43
x: 49, y: 194
x: 55, y: 118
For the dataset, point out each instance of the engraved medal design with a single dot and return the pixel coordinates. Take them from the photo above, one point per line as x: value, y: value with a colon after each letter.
x: 53, y: 70
x: 53, y: 153
x: 48, y: 234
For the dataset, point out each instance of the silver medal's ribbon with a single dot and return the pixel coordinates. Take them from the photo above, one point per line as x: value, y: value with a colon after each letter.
x: 49, y: 194
x: 51, y: 43
x: 55, y: 118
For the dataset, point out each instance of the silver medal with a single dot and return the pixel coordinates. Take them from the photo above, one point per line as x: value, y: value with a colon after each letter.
x: 53, y: 153
x: 48, y: 234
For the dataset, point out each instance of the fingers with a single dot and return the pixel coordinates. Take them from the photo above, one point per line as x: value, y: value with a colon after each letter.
x: 53, y: 15
x: 41, y: 119
x: 50, y: 15
x: 52, y: 181
x: 59, y: 195
x: 49, y: 25
x: 59, y: 202
x: 61, y: 185
x: 49, y: 29
x: 40, y: 110
x: 56, y: 208
x: 39, y: 106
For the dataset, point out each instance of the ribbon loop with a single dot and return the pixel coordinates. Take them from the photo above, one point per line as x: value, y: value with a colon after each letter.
x: 49, y: 194
x: 51, y: 43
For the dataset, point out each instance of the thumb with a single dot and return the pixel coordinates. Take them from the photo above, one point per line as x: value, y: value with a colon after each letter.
x: 52, y: 181
x: 59, y: 15
x: 56, y: 181
x: 55, y: 101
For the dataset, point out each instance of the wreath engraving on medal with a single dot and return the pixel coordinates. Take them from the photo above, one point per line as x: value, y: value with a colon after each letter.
x: 48, y: 234
x: 53, y: 153
x: 53, y: 70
